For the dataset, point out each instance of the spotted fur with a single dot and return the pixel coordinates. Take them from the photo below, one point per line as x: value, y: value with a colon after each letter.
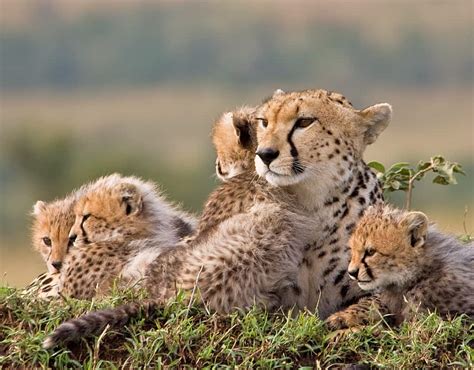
x: 410, y: 265
x: 234, y: 139
x: 121, y: 225
x: 51, y: 225
x: 45, y: 286
x: 317, y: 140
x: 290, y: 247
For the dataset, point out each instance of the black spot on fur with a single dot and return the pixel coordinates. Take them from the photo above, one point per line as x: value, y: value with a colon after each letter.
x: 344, y: 290
x: 340, y: 275
x: 182, y: 227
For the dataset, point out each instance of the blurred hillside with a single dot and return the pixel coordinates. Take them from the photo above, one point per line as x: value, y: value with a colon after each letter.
x: 88, y: 88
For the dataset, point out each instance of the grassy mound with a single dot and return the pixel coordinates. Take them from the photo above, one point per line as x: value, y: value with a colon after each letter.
x: 180, y: 335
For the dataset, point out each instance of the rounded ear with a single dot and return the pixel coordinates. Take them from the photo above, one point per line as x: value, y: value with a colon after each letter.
x: 39, y: 207
x: 130, y: 198
x: 278, y: 92
x: 416, y: 224
x: 376, y: 119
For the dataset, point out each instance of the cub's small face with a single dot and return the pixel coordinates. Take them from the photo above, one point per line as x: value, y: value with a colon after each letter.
x: 385, y: 251
x: 108, y: 214
x: 51, y: 226
x: 234, y: 139
x: 311, y: 134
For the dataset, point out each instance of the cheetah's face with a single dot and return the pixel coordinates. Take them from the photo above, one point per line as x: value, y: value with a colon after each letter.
x: 108, y: 214
x: 311, y: 134
x: 51, y: 226
x: 386, y: 252
x: 234, y: 139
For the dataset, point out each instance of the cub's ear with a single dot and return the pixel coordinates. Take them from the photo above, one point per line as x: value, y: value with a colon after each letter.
x: 376, y: 119
x: 416, y: 224
x: 38, y: 208
x: 130, y: 198
x: 243, y: 129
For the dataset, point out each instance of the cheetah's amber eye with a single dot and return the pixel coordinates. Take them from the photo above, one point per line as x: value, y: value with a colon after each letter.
x: 47, y: 241
x: 263, y: 122
x: 304, y: 122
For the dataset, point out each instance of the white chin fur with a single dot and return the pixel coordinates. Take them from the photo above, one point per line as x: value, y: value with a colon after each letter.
x: 367, y: 286
x: 275, y: 179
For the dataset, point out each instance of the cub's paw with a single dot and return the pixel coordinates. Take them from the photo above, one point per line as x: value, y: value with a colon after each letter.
x: 344, y: 320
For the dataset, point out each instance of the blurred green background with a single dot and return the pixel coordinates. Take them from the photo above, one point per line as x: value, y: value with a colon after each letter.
x: 93, y: 87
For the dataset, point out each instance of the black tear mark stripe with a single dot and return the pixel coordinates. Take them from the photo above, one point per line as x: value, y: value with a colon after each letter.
x: 85, y: 238
x: 296, y: 166
x: 367, y: 269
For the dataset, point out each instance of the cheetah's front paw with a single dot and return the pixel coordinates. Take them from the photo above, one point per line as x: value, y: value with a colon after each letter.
x: 344, y: 320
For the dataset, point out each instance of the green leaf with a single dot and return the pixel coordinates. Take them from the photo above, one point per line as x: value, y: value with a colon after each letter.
x: 458, y: 169
x: 398, y: 165
x: 441, y: 180
x: 377, y: 166
x: 395, y: 184
x: 422, y: 165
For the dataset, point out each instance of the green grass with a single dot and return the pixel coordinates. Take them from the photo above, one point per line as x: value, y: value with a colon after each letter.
x: 180, y: 335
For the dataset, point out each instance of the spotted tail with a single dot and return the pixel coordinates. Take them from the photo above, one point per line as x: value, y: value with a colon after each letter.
x: 93, y: 323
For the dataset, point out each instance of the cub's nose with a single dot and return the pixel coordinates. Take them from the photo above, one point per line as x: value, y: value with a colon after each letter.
x: 268, y: 155
x: 57, y: 265
x: 353, y: 273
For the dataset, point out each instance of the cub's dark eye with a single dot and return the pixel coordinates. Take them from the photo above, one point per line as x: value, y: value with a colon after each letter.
x: 47, y: 241
x: 263, y: 122
x: 369, y: 252
x: 304, y: 122
x: 85, y: 217
x: 71, y: 240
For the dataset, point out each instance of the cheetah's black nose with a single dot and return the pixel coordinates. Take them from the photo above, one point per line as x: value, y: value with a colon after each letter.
x: 57, y: 265
x: 268, y: 155
x: 353, y: 273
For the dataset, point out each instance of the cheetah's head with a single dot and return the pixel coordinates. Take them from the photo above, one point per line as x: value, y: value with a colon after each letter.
x: 117, y: 209
x: 386, y: 246
x: 51, y: 225
x: 311, y: 134
x: 234, y: 139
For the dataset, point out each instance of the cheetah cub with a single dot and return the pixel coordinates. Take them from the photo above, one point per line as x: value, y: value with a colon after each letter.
x: 121, y: 225
x: 51, y: 225
x: 411, y: 267
x: 234, y: 138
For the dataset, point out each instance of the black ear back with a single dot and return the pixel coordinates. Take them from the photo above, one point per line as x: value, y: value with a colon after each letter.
x: 416, y: 224
x: 243, y: 129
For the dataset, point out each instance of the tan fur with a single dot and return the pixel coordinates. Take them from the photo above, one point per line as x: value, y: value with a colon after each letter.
x: 45, y: 286
x: 321, y: 164
x: 289, y: 247
x: 412, y: 266
x: 51, y: 224
x: 234, y: 139
x: 121, y: 225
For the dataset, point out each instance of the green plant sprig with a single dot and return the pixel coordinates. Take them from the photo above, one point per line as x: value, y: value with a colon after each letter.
x: 402, y: 176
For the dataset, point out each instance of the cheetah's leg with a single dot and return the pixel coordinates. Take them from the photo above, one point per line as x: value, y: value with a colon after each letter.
x: 45, y: 286
x: 368, y: 310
